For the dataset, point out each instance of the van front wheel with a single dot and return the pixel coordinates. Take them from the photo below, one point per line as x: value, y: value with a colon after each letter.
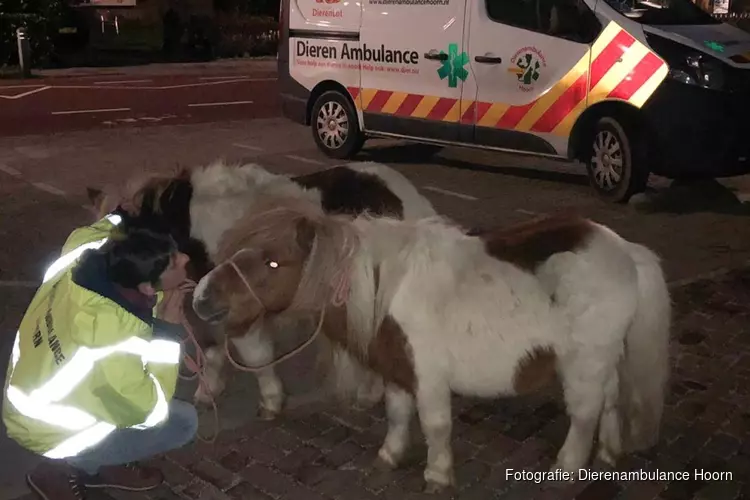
x: 616, y: 164
x: 335, y: 126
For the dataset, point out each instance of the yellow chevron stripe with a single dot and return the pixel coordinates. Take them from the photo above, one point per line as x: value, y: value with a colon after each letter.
x: 618, y: 72
x: 454, y: 114
x: 609, y: 34
x: 493, y: 114
x: 642, y: 94
x: 367, y: 95
x: 549, y: 98
x: 391, y: 106
x: 425, y: 106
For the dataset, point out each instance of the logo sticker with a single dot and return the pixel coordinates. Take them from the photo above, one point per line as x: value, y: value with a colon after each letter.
x: 528, y: 64
x: 453, y: 67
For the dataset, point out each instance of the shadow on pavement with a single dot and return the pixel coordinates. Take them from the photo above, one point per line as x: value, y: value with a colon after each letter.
x: 683, y: 197
x: 421, y: 153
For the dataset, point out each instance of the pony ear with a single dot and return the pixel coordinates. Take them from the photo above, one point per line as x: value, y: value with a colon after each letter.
x: 94, y: 195
x: 305, y: 234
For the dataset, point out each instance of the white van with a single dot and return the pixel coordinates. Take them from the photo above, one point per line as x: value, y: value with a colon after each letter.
x: 627, y: 87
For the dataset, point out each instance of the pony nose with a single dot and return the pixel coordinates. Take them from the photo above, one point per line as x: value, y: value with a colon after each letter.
x: 207, y: 311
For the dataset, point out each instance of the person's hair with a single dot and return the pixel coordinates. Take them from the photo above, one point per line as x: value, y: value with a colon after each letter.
x: 137, y: 255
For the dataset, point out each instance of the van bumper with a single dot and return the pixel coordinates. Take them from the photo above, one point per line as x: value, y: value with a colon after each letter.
x: 699, y: 133
x: 294, y: 108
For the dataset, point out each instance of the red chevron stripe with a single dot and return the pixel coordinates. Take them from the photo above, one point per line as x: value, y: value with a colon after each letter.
x: 468, y: 115
x: 378, y: 101
x: 609, y: 56
x: 409, y: 105
x: 354, y: 92
x: 482, y: 108
x: 513, y: 115
x: 441, y: 108
x: 645, y: 68
x: 562, y: 106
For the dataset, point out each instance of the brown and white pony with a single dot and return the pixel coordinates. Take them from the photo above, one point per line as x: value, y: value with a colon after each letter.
x: 198, y: 205
x: 434, y: 310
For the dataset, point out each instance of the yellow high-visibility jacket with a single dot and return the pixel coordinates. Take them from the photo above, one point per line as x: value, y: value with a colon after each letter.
x: 82, y: 365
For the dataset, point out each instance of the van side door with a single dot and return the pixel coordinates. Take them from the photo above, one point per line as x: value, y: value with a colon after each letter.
x: 530, y: 60
x: 413, y: 68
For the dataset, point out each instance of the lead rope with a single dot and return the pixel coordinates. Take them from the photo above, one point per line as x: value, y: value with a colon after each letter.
x: 341, y: 286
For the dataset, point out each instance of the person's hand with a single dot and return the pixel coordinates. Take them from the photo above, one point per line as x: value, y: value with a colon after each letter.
x: 170, y: 308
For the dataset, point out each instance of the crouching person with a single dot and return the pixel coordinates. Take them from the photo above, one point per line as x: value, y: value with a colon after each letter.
x: 92, y: 372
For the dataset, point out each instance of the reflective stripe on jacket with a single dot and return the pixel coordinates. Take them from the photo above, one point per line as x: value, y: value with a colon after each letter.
x: 81, y: 364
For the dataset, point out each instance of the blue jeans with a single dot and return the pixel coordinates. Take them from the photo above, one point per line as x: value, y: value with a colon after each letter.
x: 130, y: 445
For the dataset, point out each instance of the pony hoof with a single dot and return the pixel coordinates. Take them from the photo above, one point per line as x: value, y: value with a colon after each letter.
x: 432, y: 488
x: 607, y: 456
x: 266, y: 414
x: 562, y: 470
x: 384, y: 460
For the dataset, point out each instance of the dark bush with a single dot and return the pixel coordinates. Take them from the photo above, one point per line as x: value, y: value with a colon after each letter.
x: 41, y: 18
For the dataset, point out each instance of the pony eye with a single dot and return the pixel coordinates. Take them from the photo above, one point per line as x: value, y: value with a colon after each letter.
x: 272, y: 263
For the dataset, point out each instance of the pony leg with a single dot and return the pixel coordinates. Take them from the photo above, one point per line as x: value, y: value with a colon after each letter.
x: 610, y: 442
x: 399, y: 406
x: 584, y: 397
x: 434, y: 405
x: 212, y: 376
x: 370, y: 392
x: 254, y: 349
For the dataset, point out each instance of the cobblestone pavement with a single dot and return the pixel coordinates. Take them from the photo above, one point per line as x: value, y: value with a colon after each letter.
x: 316, y: 452
x: 319, y: 452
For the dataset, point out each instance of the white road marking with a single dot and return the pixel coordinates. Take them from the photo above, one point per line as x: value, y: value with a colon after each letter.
x: 24, y: 94
x: 304, y: 160
x: 246, y: 146
x: 108, y: 85
x: 49, y: 189
x: 229, y: 103
x: 165, y: 87
x: 18, y: 284
x: 450, y: 193
x: 526, y: 212
x: 225, y: 77
x: 80, y: 111
x: 121, y: 81
x: 9, y: 170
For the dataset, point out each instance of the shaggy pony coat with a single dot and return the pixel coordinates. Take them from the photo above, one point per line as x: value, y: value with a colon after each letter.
x: 436, y: 311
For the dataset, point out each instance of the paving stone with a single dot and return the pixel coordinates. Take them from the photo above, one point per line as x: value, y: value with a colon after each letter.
x: 244, y: 491
x: 215, y: 474
x: 315, y: 455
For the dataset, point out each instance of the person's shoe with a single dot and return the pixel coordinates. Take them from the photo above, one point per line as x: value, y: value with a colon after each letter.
x: 56, y: 481
x: 128, y: 477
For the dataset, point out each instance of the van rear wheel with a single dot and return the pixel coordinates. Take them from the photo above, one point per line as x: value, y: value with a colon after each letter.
x: 616, y: 164
x: 335, y: 126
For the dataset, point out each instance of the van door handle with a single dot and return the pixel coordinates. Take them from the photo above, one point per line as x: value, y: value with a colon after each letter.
x: 488, y: 59
x: 436, y: 57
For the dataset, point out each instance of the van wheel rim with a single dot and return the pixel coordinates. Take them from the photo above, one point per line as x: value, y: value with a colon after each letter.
x: 607, y: 160
x: 332, y: 125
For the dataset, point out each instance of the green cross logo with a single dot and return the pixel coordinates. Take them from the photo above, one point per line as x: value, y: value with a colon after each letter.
x: 453, y: 67
x: 529, y: 67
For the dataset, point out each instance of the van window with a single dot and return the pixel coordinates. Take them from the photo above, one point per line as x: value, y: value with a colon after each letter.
x: 662, y: 12
x: 569, y: 19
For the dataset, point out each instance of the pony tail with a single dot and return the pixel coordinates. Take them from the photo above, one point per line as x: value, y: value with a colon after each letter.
x: 644, y: 369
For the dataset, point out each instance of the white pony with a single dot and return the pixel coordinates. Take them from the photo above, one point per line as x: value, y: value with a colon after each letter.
x: 434, y: 311
x: 204, y: 202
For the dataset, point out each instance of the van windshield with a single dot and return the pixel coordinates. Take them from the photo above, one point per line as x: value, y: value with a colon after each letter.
x: 662, y: 12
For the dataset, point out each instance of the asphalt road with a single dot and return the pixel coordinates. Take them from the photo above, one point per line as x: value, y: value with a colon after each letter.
x: 116, y: 101
x: 43, y: 179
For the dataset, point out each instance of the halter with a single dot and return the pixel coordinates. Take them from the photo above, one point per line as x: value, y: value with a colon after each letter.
x: 250, y: 289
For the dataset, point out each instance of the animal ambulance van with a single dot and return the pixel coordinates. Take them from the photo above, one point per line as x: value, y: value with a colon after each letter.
x: 626, y: 87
